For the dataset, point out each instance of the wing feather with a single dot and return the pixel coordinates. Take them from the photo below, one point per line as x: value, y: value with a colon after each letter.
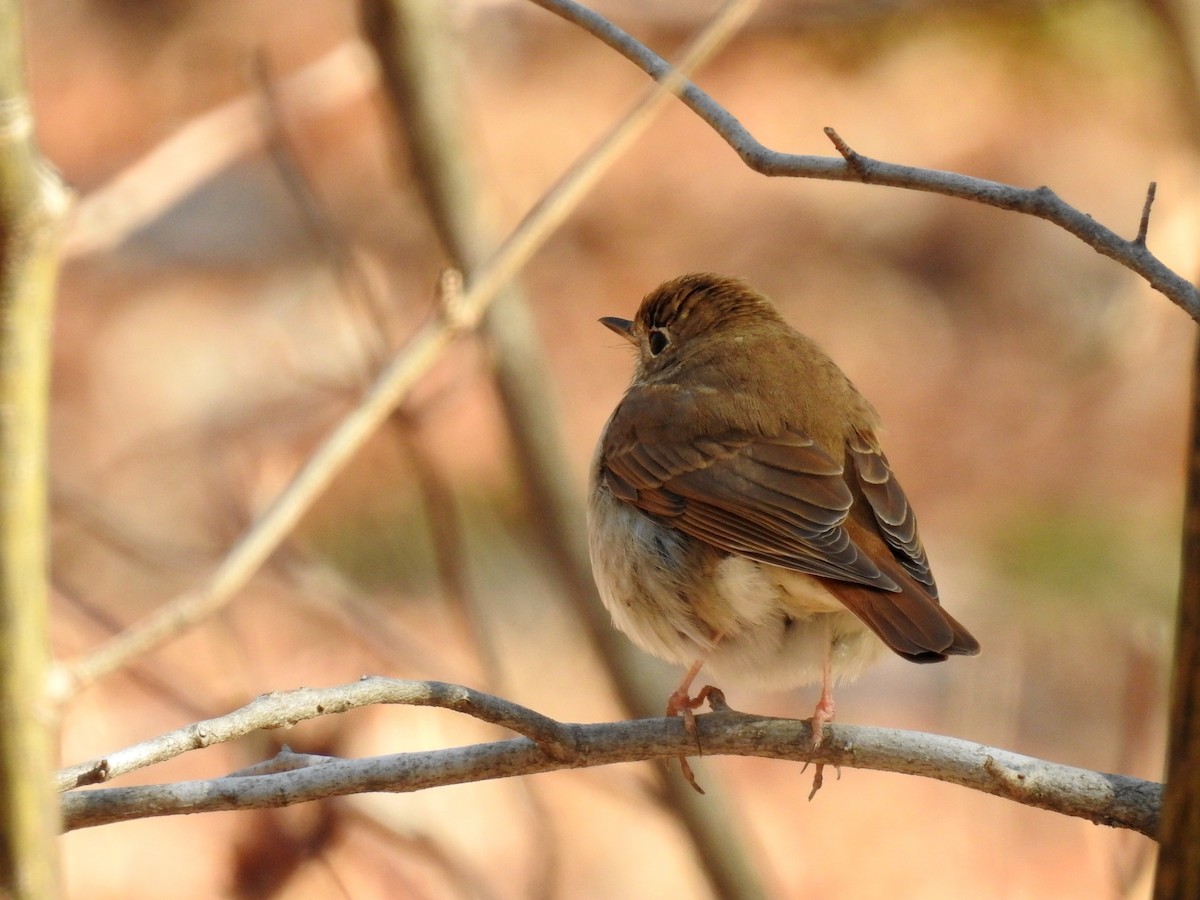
x: 783, y: 500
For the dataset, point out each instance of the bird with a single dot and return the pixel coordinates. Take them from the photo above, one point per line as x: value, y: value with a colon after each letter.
x: 742, y: 515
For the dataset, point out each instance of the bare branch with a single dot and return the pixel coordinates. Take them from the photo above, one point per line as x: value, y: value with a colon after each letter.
x: 286, y: 760
x: 1041, y: 202
x: 848, y: 153
x: 1178, y: 873
x: 33, y: 202
x: 283, y: 709
x: 1116, y: 800
x: 1144, y: 224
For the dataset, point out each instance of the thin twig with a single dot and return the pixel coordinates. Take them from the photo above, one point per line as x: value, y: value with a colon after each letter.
x: 1041, y: 202
x: 848, y: 153
x: 286, y: 708
x: 286, y: 760
x: 1144, y: 224
x: 1116, y: 800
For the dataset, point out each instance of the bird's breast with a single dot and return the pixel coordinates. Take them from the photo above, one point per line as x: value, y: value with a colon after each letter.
x: 649, y: 576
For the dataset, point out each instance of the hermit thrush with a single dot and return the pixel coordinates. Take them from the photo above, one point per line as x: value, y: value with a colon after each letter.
x: 742, y: 515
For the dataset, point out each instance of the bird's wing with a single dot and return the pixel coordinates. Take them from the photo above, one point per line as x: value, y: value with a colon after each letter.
x: 779, y: 499
x: 887, y: 507
x: 783, y: 500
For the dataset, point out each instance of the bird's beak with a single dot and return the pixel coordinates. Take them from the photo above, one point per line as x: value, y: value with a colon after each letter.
x: 623, y: 327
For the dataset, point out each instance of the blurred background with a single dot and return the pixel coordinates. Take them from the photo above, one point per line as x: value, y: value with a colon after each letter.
x: 252, y: 240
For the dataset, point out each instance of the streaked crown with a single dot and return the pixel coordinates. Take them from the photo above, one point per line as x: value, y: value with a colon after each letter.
x: 700, y: 301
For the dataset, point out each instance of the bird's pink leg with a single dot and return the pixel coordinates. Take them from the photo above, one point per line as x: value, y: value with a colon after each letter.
x: 681, y: 700
x: 823, y: 714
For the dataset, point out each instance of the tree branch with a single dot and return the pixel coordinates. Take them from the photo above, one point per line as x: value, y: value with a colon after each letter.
x: 1144, y: 224
x: 1041, y: 202
x: 1116, y: 800
x: 33, y: 202
x: 1178, y: 873
x: 283, y: 709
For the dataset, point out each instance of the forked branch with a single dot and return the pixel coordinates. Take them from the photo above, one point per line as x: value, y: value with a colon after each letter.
x: 548, y: 745
x: 853, y: 166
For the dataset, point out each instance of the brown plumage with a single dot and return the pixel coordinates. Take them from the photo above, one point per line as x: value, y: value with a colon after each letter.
x: 741, y: 507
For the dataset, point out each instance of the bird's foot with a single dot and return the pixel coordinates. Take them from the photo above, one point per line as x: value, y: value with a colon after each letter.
x: 680, y: 703
x: 821, y: 717
x: 685, y: 769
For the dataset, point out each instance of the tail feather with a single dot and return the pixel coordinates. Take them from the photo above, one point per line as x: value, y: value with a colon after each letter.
x: 912, y: 624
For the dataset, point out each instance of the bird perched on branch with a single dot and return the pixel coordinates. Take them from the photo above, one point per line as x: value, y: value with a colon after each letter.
x: 742, y: 515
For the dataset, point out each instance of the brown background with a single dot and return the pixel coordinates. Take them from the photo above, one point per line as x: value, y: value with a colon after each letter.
x: 1034, y: 393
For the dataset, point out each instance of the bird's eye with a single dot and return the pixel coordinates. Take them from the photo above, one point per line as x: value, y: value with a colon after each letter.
x: 658, y: 341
